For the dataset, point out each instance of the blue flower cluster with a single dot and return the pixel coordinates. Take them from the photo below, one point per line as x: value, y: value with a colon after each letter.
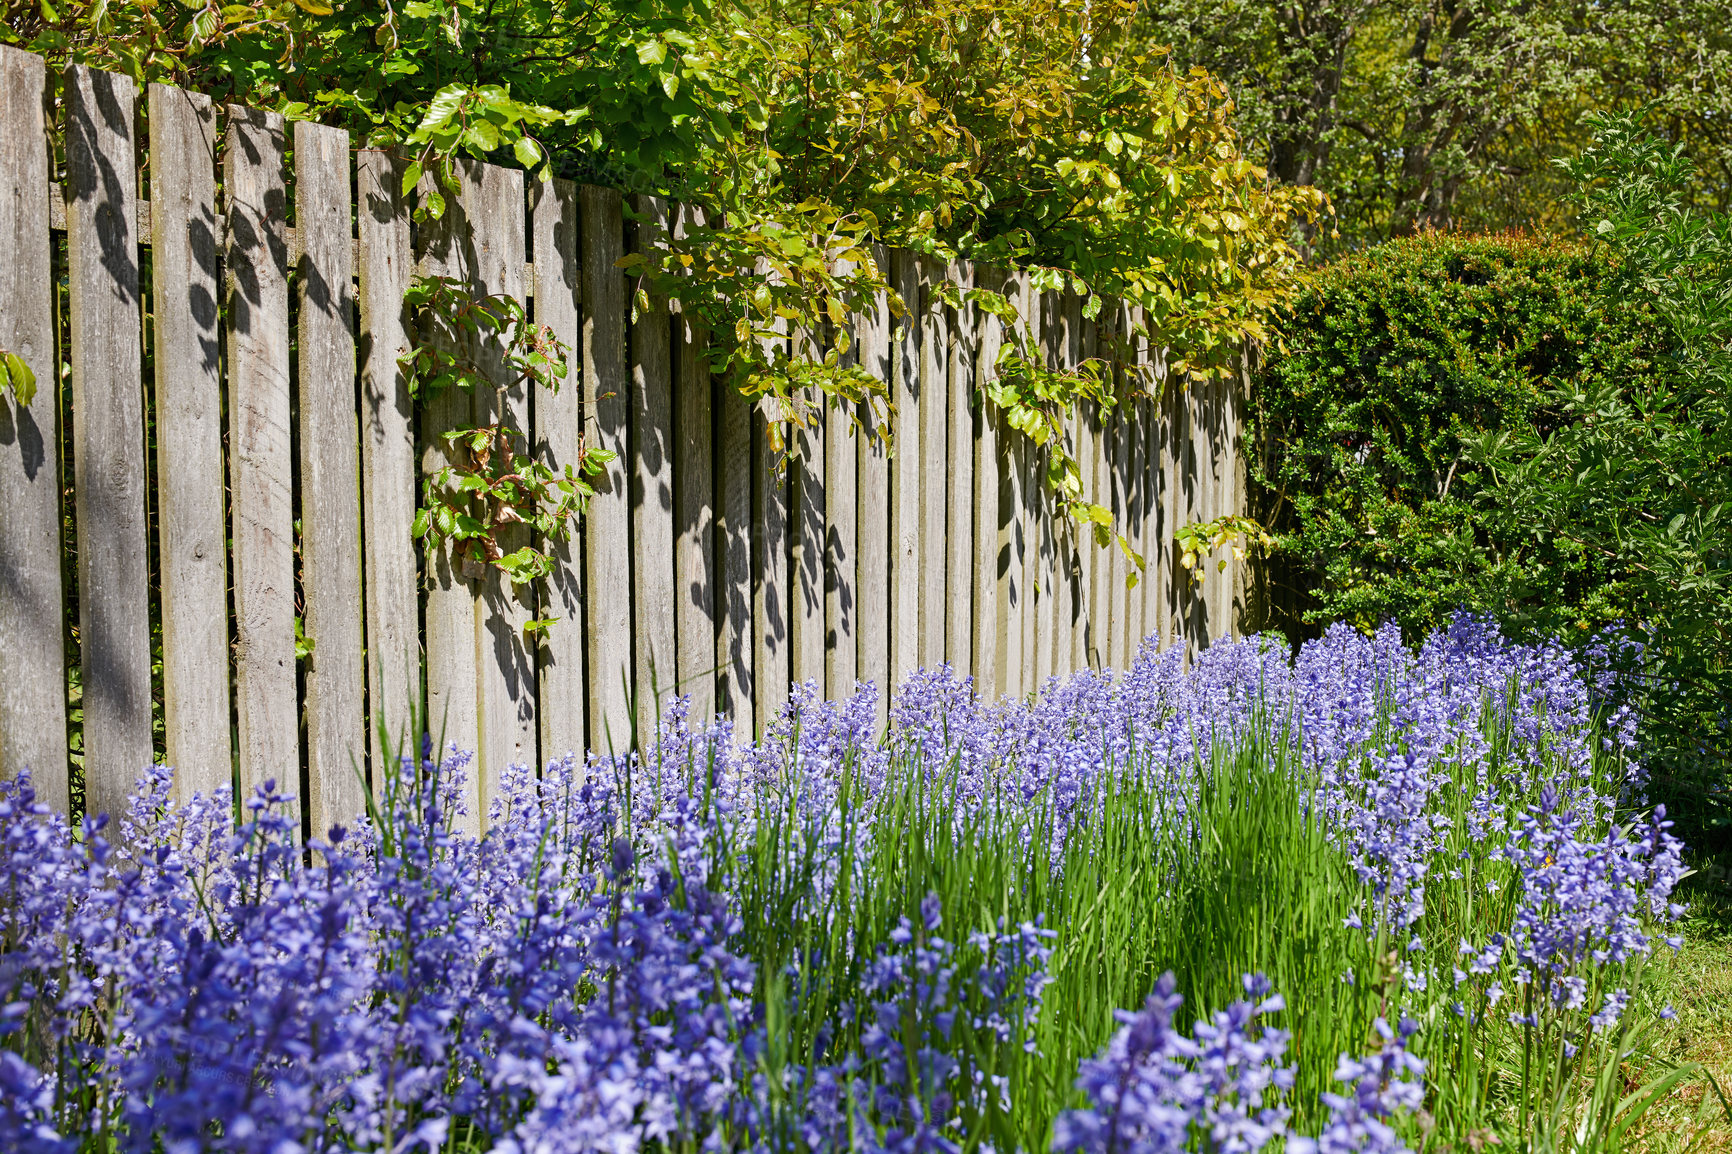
x: 575, y: 980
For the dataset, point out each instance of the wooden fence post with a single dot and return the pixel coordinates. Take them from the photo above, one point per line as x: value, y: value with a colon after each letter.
x: 561, y: 688
x: 32, y: 614
x: 389, y: 493
x: 260, y: 448
x: 696, y: 604
x: 330, y: 480
x: 652, y: 488
x: 189, y: 441
x: 607, y: 542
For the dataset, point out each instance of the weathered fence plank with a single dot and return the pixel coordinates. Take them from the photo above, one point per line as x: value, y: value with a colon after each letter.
x: 873, y: 347
x: 652, y: 487
x: 735, y: 696
x: 841, y: 552
x: 905, y: 503
x: 934, y: 331
x: 189, y: 440
x: 507, y: 730
x: 989, y: 469
x: 959, y: 480
x: 695, y: 603
x: 260, y: 451
x: 607, y: 528
x: 388, y: 460
x: 108, y: 435
x: 810, y: 498
x: 451, y: 664
x: 330, y: 480
x: 771, y: 661
x: 32, y: 646
x: 561, y: 691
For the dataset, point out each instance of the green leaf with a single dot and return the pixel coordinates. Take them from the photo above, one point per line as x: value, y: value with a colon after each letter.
x: 411, y: 177
x: 528, y: 152
x: 22, y: 380
x: 651, y: 52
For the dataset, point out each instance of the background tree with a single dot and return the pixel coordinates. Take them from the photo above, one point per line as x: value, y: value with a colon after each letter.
x: 1418, y: 114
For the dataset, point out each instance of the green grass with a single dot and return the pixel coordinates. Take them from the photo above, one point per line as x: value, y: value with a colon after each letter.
x: 1245, y: 881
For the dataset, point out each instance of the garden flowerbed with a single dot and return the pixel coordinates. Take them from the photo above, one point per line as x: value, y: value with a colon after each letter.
x: 1354, y: 897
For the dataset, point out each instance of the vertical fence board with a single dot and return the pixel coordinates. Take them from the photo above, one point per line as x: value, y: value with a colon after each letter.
x: 958, y: 480
x: 32, y: 649
x: 934, y: 329
x: 1028, y: 508
x: 735, y: 694
x: 388, y: 464
x: 874, y: 351
x: 1093, y: 561
x: 695, y: 603
x: 1120, y: 431
x: 652, y: 487
x: 841, y: 553
x: 988, y: 493
x: 330, y: 479
x: 260, y: 460
x: 905, y: 506
x: 607, y: 545
x: 1050, y: 341
x: 810, y: 499
x: 504, y: 653
x: 452, y: 665
x: 771, y: 663
x: 189, y: 440
x: 108, y: 435
x: 560, y: 692
x: 1074, y: 589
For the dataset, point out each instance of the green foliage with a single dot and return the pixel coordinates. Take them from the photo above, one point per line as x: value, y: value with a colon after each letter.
x: 1044, y: 134
x: 1636, y: 475
x: 486, y: 344
x: 1396, y: 362
x: 1445, y: 113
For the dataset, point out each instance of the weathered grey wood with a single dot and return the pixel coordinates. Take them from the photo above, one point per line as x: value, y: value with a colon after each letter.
x: 1026, y: 498
x: 905, y: 503
x: 1050, y: 334
x: 735, y: 696
x: 1237, y: 400
x: 1074, y: 591
x: 32, y: 649
x: 452, y: 665
x: 872, y: 335
x: 189, y: 441
x: 389, y: 492
x: 1120, y: 425
x: 959, y: 479
x: 808, y: 493
x: 507, y: 729
x: 108, y: 436
x: 841, y: 552
x: 988, y: 552
x: 934, y: 331
x: 652, y: 487
x: 695, y: 604
x: 561, y: 694
x: 330, y: 480
x: 607, y: 545
x: 771, y: 661
x: 260, y: 452
x: 1092, y: 419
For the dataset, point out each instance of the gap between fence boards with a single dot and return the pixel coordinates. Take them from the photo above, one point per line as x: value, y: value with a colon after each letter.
x: 57, y: 223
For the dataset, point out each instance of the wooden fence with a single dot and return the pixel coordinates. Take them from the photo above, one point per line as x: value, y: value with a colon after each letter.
x: 211, y: 375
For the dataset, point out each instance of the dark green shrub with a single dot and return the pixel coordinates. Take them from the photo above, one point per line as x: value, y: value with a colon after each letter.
x: 1395, y: 361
